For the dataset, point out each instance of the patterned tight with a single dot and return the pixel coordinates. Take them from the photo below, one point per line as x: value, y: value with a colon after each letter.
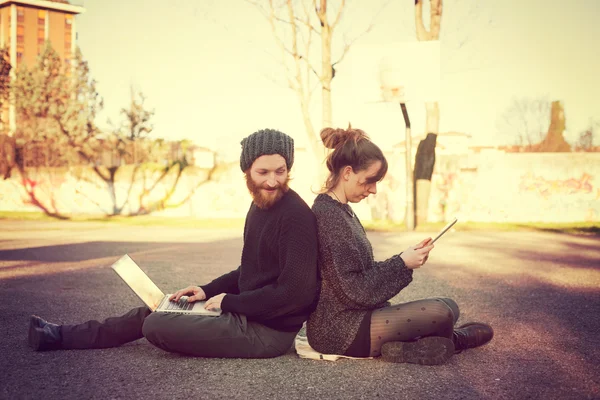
x: 409, y: 321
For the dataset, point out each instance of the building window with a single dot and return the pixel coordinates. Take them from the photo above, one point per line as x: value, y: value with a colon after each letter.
x: 41, y: 31
x: 20, y: 34
x: 20, y: 15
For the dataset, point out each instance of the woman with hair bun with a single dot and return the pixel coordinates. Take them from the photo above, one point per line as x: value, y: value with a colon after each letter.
x: 353, y: 316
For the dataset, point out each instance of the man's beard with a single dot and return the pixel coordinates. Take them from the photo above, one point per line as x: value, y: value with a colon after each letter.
x: 263, y: 199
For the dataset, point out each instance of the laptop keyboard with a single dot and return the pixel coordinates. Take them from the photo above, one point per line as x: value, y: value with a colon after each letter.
x: 181, y: 305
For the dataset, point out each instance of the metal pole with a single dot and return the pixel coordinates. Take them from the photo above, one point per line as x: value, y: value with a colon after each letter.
x: 410, y: 207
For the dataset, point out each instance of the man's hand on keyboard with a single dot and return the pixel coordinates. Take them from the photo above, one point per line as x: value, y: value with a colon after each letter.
x: 194, y: 293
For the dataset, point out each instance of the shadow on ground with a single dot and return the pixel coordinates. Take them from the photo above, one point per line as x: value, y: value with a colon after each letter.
x: 546, y: 343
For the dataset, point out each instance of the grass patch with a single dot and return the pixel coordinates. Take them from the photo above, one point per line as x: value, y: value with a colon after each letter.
x: 585, y: 228
x: 144, y: 220
x: 25, y: 216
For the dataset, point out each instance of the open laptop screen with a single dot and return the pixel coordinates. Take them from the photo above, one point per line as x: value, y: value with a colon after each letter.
x: 138, y: 281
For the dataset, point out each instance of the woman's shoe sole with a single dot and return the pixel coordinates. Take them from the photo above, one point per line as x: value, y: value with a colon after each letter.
x: 430, y: 350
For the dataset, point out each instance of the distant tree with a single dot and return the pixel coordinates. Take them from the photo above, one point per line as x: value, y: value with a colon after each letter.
x: 137, y: 118
x: 527, y: 119
x: 7, y: 144
x: 5, y: 69
x: 538, y: 125
x: 57, y: 105
x: 585, y: 141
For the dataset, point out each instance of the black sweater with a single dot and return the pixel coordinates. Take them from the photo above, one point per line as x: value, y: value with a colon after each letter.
x: 276, y: 283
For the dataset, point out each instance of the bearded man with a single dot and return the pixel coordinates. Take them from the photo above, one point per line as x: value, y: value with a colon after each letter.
x: 264, y: 302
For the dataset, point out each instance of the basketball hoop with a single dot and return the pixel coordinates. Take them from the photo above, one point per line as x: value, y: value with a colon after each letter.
x: 410, y: 72
x: 393, y: 94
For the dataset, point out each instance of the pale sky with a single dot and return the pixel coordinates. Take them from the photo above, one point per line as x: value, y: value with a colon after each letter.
x: 208, y: 66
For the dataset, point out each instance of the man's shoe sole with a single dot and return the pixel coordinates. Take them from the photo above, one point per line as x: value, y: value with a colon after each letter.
x: 34, y: 336
x: 430, y: 350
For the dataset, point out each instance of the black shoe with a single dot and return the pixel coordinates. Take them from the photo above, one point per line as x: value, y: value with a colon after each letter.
x: 472, y: 334
x: 431, y: 350
x: 43, y: 335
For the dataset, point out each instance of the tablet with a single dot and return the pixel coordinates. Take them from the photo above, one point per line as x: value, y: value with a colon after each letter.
x: 444, y: 230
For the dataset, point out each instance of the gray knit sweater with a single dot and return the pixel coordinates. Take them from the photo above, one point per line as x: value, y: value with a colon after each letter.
x: 353, y: 283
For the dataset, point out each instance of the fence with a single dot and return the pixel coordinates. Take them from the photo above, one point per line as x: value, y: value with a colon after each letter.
x: 52, y: 153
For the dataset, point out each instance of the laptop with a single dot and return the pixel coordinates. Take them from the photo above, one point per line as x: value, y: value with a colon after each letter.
x: 151, y: 295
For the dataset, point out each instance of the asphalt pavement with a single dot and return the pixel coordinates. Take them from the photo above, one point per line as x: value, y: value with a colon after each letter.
x: 539, y: 290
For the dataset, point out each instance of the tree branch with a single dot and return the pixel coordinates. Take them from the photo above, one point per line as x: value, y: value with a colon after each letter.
x: 349, y: 44
x: 97, y: 204
x: 435, y: 19
x: 339, y: 15
x: 307, y: 23
x: 422, y: 33
x: 282, y: 47
x: 130, y: 188
x: 297, y: 59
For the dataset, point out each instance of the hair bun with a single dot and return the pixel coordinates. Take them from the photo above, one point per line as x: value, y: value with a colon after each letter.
x: 333, y: 138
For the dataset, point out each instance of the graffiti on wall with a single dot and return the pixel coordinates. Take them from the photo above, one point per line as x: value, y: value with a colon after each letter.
x: 445, y: 182
x: 547, y: 188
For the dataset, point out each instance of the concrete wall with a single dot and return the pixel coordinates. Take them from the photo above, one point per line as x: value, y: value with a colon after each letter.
x: 490, y: 187
x: 513, y: 187
x: 551, y: 187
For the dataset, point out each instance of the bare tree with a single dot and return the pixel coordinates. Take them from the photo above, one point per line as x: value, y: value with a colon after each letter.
x: 296, y: 27
x: 585, y: 141
x: 538, y: 125
x: 137, y: 118
x: 527, y: 119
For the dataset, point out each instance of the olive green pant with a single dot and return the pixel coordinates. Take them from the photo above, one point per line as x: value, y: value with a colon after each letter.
x: 228, y: 335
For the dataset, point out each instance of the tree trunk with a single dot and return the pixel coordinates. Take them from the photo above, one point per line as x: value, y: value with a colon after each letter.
x: 112, y: 190
x: 425, y: 158
x: 432, y: 115
x: 326, y: 67
x: 424, y: 163
x: 317, y: 150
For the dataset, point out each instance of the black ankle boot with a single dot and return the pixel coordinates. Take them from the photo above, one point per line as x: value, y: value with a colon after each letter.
x: 472, y: 334
x: 43, y: 335
x: 431, y: 350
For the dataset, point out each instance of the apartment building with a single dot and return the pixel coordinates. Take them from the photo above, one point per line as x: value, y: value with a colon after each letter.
x: 26, y: 25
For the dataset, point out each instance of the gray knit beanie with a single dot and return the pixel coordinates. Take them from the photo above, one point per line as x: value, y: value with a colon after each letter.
x: 266, y: 142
